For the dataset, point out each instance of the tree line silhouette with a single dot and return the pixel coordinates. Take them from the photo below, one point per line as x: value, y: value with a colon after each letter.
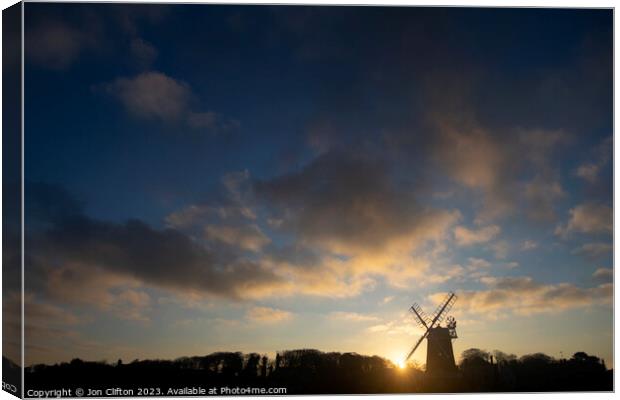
x: 309, y: 371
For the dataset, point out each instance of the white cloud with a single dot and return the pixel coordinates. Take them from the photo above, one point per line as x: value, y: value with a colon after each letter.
x: 469, y: 237
x: 268, y: 314
x: 474, y: 158
x: 594, y: 250
x: 588, y: 172
x: 588, y: 218
x: 352, y: 316
x: 478, y: 263
x: 152, y: 95
x: 529, y: 245
x: 524, y: 296
x: 500, y: 249
x: 605, y: 274
x: 106, y: 291
x: 400, y: 327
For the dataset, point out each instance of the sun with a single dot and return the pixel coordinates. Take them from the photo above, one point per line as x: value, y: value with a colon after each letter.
x: 401, y: 364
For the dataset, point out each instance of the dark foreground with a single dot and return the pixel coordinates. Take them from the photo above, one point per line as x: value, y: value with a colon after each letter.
x: 314, y: 372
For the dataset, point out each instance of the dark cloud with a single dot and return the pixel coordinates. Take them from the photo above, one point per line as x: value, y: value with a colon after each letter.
x: 143, y: 52
x: 57, y: 38
x: 50, y: 203
x: 55, y: 45
x: 492, y: 129
x: 156, y: 96
x: 348, y: 202
x: 165, y: 258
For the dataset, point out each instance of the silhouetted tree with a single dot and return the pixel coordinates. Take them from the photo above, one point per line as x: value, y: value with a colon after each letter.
x: 313, y: 372
x: 263, y: 366
x: 251, y: 365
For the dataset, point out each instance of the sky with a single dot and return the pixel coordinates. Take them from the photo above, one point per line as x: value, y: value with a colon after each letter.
x: 263, y: 178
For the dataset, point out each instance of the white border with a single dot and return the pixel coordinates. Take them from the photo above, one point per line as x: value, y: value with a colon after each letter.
x: 450, y: 3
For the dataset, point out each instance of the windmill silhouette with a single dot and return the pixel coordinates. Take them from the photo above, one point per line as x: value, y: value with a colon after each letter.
x: 439, y: 353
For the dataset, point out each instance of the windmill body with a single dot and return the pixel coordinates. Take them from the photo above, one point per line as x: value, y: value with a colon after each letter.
x: 439, y: 353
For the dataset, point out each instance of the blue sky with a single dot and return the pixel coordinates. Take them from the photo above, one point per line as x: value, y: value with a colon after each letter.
x: 256, y: 178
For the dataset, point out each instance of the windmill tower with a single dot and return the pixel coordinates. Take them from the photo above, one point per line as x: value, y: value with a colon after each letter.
x: 439, y: 353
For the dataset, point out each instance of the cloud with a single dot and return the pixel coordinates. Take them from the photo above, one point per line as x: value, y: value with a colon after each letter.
x: 129, y: 18
x: 542, y: 192
x: 135, y: 251
x: 156, y: 96
x: 540, y: 144
x: 201, y: 214
x: 152, y: 95
x: 268, y: 314
x: 352, y: 316
x: 594, y: 250
x: 500, y: 248
x: 49, y: 329
x: 400, y: 326
x: 529, y: 245
x: 476, y: 159
x: 347, y: 205
x: 105, y: 264
x: 143, y: 52
x: 589, y: 171
x: 604, y: 274
x: 590, y: 218
x: 524, y: 296
x: 477, y: 268
x: 106, y: 291
x: 55, y: 41
x: 55, y: 45
x: 478, y: 263
x: 97, y: 263
x: 248, y: 237
x: 542, y: 195
x: 502, y: 168
x: 468, y: 237
x: 39, y: 313
x: 329, y: 277
x: 211, y: 121
x: 325, y: 211
x: 231, y: 222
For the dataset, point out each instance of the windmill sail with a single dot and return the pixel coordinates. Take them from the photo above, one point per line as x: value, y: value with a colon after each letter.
x: 416, y: 346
